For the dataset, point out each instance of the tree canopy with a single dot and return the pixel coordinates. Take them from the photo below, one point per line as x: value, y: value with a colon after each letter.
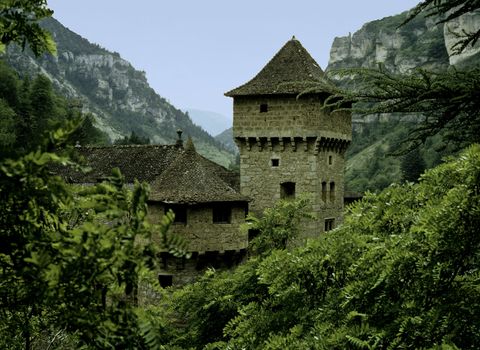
x: 19, y: 24
x: 402, y: 272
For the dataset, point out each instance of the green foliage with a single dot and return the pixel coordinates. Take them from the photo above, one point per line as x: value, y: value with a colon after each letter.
x: 72, y: 259
x: 372, y: 160
x: 29, y: 109
x: 87, y: 134
x: 133, y: 139
x: 448, y: 101
x: 19, y: 24
x: 402, y: 272
x: 413, y: 165
x: 278, y: 227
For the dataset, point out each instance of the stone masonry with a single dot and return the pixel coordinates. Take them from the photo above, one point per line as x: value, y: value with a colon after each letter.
x: 289, y: 145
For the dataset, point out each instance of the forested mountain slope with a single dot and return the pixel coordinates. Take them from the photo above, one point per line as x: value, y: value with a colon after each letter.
x: 108, y: 86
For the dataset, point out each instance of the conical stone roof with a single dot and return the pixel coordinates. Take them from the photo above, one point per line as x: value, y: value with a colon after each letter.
x: 291, y: 71
x: 189, y: 180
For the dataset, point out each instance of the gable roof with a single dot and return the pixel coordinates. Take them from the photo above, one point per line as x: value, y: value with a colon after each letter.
x: 291, y: 71
x: 141, y: 162
x: 190, y: 180
x: 210, y: 181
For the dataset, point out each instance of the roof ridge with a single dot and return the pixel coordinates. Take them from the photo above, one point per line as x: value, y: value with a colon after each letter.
x: 285, y: 73
x: 127, y: 146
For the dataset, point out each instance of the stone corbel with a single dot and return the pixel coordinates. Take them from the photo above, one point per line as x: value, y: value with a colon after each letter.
x: 317, y: 146
x: 248, y: 144
x: 259, y: 144
x: 293, y: 144
x: 282, y: 145
x: 305, y: 144
x: 269, y: 143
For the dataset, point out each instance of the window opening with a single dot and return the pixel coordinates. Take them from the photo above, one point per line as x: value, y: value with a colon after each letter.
x: 164, y: 259
x: 165, y: 280
x: 330, y: 160
x: 329, y: 224
x: 275, y: 162
x: 332, y: 191
x: 324, y: 191
x: 252, y: 233
x: 287, y: 190
x: 180, y: 212
x: 222, y: 214
x: 263, y: 108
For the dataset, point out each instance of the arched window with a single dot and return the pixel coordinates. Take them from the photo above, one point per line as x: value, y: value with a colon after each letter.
x: 332, y: 191
x: 324, y: 191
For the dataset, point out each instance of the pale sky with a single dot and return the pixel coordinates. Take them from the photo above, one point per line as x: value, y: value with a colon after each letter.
x: 193, y: 51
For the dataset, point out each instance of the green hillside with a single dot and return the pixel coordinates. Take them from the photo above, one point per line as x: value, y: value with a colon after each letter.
x: 113, y: 90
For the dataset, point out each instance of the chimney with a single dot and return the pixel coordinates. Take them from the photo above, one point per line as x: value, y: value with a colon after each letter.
x: 179, y: 142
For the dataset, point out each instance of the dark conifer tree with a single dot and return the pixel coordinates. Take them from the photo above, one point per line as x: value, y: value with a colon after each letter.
x: 412, y: 166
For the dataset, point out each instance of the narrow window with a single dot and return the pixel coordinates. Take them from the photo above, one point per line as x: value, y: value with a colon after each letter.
x: 324, y: 191
x: 165, y: 280
x: 332, y: 191
x: 252, y: 233
x: 330, y: 160
x: 222, y: 214
x: 287, y: 190
x: 329, y: 224
x: 275, y: 162
x: 263, y: 108
x: 164, y: 259
x: 180, y: 212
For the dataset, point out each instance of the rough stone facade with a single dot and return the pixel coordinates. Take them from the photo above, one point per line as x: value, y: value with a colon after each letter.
x: 199, y: 230
x: 289, y: 144
x: 215, y: 245
x: 294, y: 141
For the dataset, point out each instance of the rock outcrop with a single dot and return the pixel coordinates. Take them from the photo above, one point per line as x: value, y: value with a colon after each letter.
x: 420, y: 43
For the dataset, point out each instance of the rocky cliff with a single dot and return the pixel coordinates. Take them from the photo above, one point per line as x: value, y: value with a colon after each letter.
x: 108, y: 86
x: 420, y: 43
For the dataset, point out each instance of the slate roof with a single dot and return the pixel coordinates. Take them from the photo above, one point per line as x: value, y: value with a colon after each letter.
x: 149, y: 162
x: 291, y: 71
x: 190, y: 180
x: 141, y: 162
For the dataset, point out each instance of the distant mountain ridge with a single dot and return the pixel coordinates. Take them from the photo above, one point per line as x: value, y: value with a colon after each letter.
x: 226, y: 138
x: 212, y: 122
x: 108, y: 86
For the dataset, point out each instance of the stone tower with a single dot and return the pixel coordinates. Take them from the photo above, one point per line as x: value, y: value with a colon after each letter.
x: 288, y: 143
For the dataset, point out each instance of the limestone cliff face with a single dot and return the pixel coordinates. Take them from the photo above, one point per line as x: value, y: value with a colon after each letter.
x: 417, y: 44
x: 420, y: 43
x: 108, y: 86
x: 467, y: 23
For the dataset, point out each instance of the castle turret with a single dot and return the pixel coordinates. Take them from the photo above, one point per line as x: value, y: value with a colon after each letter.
x: 288, y: 143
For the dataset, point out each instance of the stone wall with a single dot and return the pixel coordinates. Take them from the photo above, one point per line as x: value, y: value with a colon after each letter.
x: 295, y: 141
x: 288, y: 116
x: 201, y: 234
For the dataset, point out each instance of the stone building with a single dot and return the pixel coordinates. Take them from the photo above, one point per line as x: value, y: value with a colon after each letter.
x: 204, y: 196
x: 288, y: 143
